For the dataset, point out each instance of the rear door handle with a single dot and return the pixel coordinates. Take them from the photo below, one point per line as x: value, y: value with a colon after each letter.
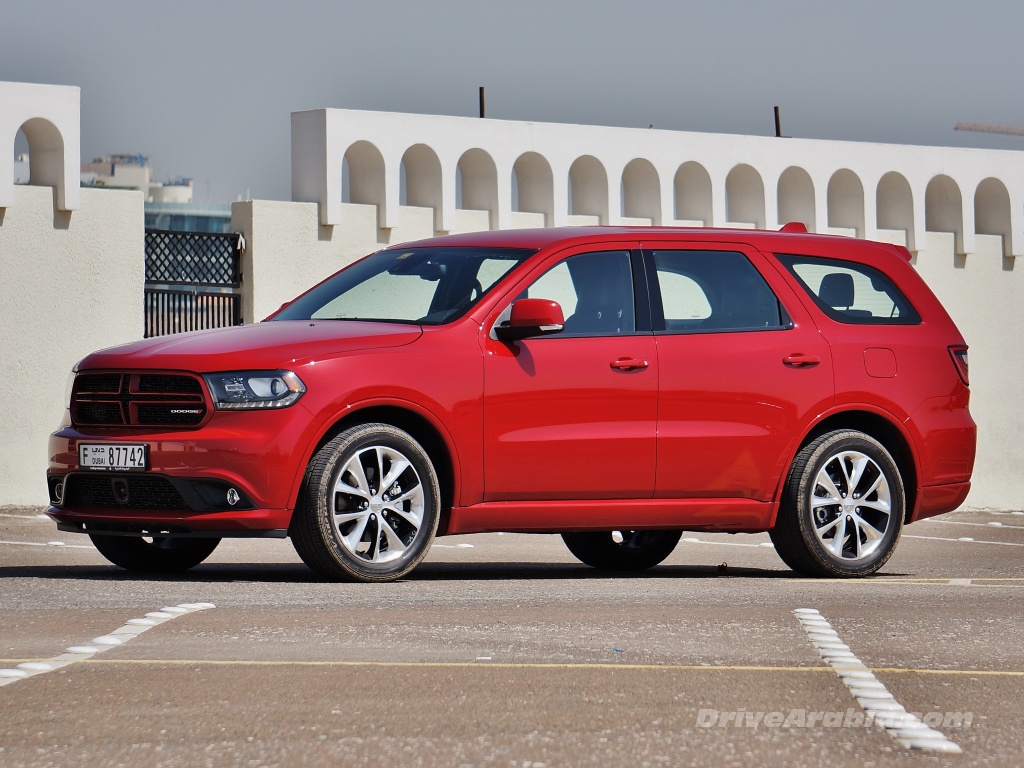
x: 628, y: 364
x: 800, y: 360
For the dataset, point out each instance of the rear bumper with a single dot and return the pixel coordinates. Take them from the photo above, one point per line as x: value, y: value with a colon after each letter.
x: 938, y: 499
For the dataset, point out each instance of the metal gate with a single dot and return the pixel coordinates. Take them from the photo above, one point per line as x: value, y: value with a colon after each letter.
x: 192, y: 281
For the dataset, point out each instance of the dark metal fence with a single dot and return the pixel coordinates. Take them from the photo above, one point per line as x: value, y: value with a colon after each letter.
x: 192, y: 281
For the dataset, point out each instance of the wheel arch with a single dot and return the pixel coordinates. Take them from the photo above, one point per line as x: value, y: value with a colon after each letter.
x: 423, y: 430
x: 883, y: 429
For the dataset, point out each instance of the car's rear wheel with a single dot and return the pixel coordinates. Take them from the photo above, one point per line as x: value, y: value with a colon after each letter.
x: 842, y: 508
x: 622, y: 550
x: 369, y: 507
x: 156, y: 555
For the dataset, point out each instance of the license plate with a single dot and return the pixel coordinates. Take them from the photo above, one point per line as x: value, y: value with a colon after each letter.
x: 116, y: 456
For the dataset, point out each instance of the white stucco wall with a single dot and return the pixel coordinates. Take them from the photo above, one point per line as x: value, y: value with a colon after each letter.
x: 70, y: 283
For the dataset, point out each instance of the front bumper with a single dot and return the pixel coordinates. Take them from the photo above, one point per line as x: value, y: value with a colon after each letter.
x: 184, y: 490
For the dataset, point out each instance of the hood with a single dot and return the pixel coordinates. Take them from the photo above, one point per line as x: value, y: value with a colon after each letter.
x: 263, y: 346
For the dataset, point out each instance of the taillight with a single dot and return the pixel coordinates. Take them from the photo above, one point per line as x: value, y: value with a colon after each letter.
x: 959, y: 355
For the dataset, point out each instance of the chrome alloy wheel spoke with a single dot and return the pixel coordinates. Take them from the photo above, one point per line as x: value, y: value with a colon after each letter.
x: 378, y: 504
x: 851, y: 505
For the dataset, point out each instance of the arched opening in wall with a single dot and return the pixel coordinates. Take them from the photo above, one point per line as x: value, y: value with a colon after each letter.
x: 421, y: 178
x: 476, y: 184
x: 796, y: 198
x: 533, y: 187
x: 894, y: 205
x: 641, y: 191
x: 992, y: 211
x: 943, y: 208
x: 21, y: 158
x: 45, y: 150
x: 744, y: 197
x: 846, y: 203
x: 588, y: 189
x: 362, y: 175
x: 693, y: 194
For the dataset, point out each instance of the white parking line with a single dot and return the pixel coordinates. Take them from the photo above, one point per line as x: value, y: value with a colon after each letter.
x: 871, y: 694
x: 990, y: 524
x: 45, y: 544
x: 762, y: 545
x: 120, y: 636
x: 965, y: 539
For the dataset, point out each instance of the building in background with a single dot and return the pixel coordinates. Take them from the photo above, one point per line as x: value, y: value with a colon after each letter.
x: 188, y: 217
x: 133, y: 171
x: 168, y: 204
x: 21, y: 170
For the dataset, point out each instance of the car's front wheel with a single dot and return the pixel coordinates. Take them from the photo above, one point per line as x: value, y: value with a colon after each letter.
x: 842, y: 507
x: 156, y: 555
x: 369, y: 507
x: 622, y: 550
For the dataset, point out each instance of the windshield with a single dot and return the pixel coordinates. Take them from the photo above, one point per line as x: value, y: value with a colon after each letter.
x: 427, y: 286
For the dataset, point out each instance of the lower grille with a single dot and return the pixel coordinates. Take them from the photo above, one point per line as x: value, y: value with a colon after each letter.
x: 94, y: 489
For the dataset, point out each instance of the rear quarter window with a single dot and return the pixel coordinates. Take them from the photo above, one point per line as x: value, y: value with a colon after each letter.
x: 849, y: 292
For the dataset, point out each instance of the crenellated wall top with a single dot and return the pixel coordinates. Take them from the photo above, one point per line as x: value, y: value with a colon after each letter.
x: 629, y: 175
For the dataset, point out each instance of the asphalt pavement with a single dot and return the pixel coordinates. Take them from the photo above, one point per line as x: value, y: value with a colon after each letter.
x: 502, y: 650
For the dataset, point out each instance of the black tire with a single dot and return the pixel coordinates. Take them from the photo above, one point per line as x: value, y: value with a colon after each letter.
x: 158, y: 555
x: 348, y: 527
x: 842, y: 507
x: 622, y: 550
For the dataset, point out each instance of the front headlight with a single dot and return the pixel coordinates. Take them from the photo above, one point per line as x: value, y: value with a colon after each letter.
x: 246, y: 390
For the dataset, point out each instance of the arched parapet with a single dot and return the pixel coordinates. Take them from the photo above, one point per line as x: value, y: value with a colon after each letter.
x: 692, y: 193
x: 50, y: 118
x: 364, y: 179
x: 795, y: 195
x: 894, y: 207
x: 744, y: 197
x: 992, y: 213
x: 588, y: 189
x: 423, y: 182
x: 588, y: 174
x: 845, y: 196
x: 534, y: 185
x: 641, y: 191
x: 944, y: 210
x: 477, y: 184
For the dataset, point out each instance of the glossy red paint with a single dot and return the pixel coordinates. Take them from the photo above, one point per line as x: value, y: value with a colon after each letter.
x: 645, y: 429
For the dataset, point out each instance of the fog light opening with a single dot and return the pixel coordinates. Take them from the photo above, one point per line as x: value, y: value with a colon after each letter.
x: 233, y: 496
x: 58, y: 492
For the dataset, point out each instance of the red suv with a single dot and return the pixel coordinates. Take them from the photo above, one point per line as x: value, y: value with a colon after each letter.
x: 615, y: 385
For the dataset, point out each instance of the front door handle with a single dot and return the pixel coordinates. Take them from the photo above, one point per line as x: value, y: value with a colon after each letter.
x: 628, y: 364
x: 800, y: 360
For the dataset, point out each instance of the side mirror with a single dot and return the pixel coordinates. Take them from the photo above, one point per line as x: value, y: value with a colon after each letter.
x: 531, y: 317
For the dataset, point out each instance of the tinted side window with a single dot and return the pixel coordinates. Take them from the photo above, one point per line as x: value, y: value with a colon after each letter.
x: 595, y: 291
x: 715, y: 291
x: 851, y: 292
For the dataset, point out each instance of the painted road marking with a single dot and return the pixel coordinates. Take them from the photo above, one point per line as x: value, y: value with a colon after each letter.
x: 990, y: 524
x: 85, y: 651
x: 869, y: 692
x: 761, y: 545
x: 47, y: 544
x: 964, y: 539
x: 583, y: 666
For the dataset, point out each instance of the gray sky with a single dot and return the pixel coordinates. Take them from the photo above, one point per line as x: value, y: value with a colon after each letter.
x: 206, y: 88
